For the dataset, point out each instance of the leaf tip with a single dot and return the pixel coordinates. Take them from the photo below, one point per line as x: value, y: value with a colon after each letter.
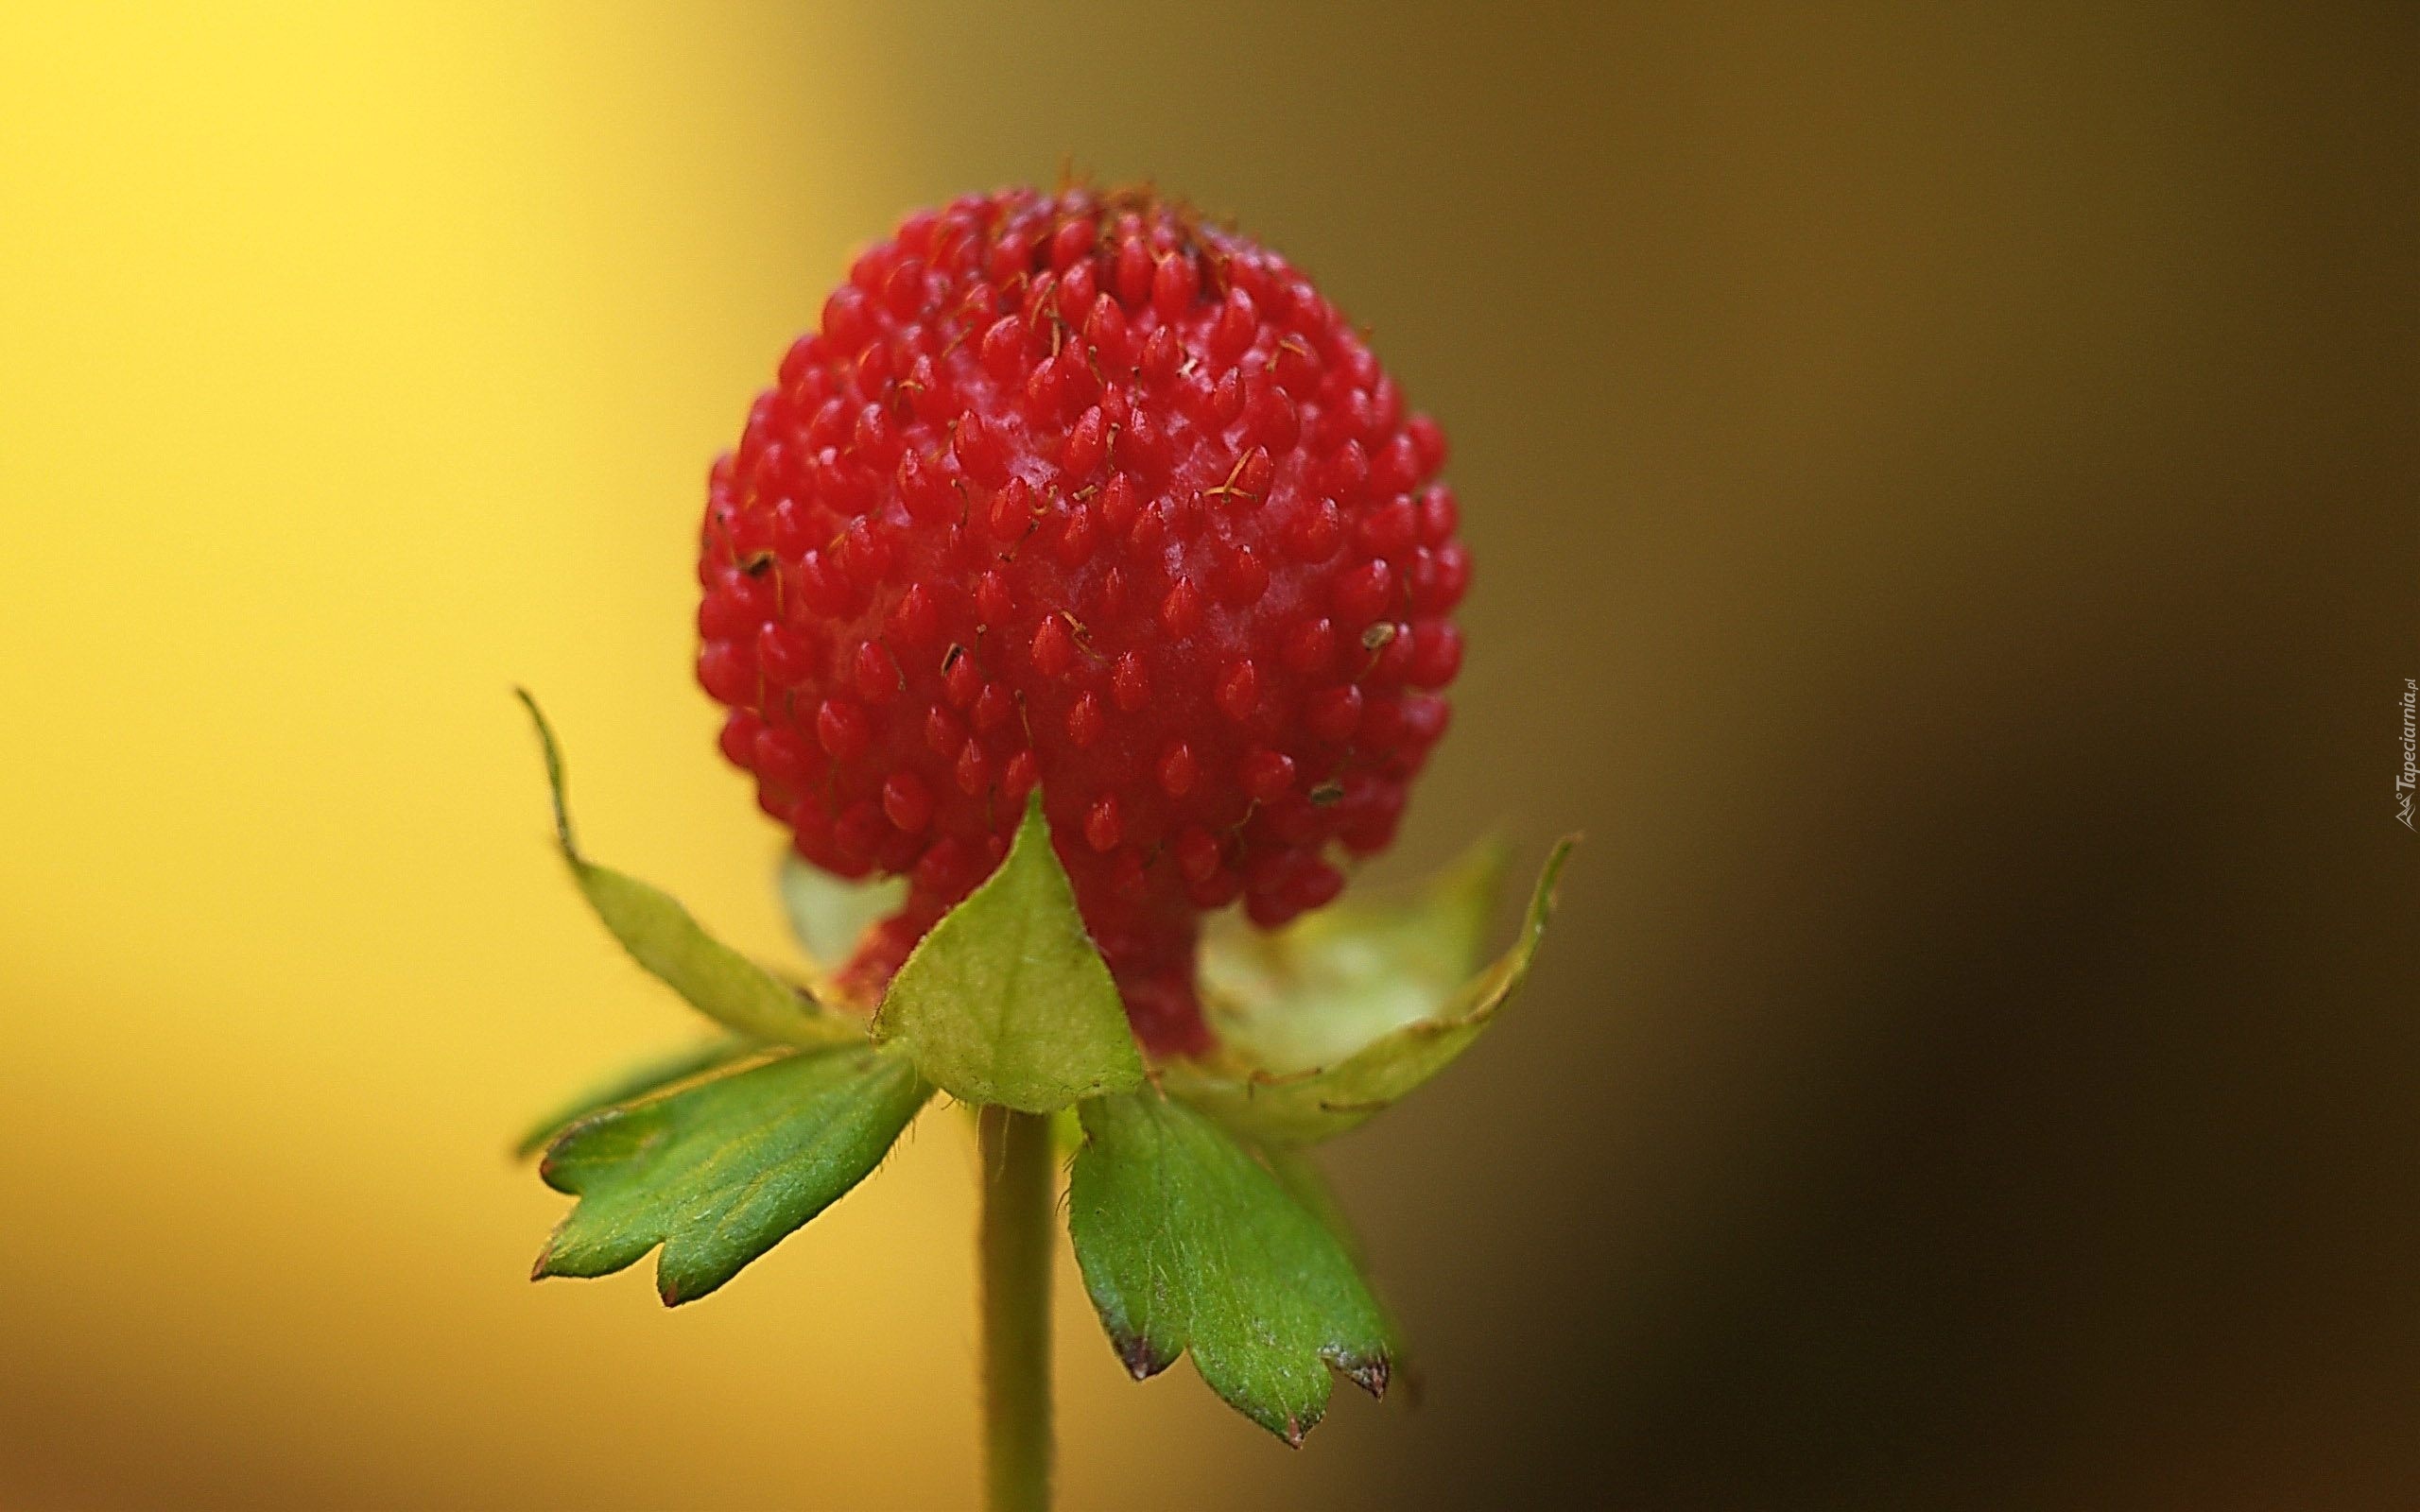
x: 1551, y: 876
x: 1296, y: 1426
x: 552, y: 752
x: 1370, y: 1373
x: 1142, y: 1358
x: 691, y: 1279
x: 550, y: 1167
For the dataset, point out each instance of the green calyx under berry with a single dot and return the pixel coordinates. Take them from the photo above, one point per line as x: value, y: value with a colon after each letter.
x: 1198, y: 1222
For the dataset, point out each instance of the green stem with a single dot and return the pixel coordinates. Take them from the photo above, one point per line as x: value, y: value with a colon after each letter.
x: 1014, y: 1240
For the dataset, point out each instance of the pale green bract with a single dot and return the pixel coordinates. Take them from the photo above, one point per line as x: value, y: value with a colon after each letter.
x: 829, y: 915
x: 1301, y: 1105
x: 719, y: 1171
x: 1189, y: 1243
x: 661, y: 937
x: 1307, y: 995
x: 1006, y: 1001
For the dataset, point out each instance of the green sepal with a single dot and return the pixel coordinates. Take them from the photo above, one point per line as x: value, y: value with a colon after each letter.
x: 629, y: 1083
x: 719, y: 1171
x: 1006, y: 1001
x: 830, y: 915
x: 661, y: 937
x: 1188, y: 1243
x: 1304, y: 1106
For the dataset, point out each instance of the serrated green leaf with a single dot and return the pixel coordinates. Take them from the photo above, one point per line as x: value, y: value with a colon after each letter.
x: 1308, y: 1184
x: 661, y: 937
x: 830, y: 915
x: 629, y: 1083
x: 1300, y: 1175
x: 1188, y: 1243
x: 1323, y: 988
x: 1006, y: 1001
x: 719, y: 1171
x: 1303, y: 1107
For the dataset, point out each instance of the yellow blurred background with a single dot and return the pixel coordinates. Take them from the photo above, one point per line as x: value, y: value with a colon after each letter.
x: 1941, y: 487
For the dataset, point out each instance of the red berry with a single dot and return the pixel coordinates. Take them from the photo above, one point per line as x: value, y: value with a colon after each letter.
x: 1080, y: 491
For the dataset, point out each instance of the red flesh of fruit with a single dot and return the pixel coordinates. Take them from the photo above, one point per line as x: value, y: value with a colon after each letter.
x: 1075, y: 490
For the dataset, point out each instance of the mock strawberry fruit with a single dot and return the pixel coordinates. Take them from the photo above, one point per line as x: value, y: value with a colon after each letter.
x: 1077, y: 490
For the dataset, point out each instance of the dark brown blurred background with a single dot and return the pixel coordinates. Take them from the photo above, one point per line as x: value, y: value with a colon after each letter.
x: 1943, y: 490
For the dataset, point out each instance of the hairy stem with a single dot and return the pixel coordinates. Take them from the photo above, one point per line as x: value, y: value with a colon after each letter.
x: 1014, y: 1240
